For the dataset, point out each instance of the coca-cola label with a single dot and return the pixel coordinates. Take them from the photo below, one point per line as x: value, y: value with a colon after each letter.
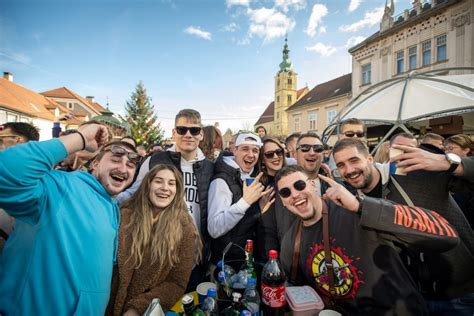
x: 273, y: 296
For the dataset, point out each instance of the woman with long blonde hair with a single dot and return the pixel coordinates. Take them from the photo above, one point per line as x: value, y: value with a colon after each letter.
x: 157, y: 238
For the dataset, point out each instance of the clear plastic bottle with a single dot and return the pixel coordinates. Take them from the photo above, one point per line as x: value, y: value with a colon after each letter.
x: 251, y: 298
x: 209, y: 305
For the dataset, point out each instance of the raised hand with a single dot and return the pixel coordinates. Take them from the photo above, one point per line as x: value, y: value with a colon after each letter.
x: 414, y: 158
x: 252, y: 193
x: 340, y: 195
x: 266, y: 200
x: 95, y: 136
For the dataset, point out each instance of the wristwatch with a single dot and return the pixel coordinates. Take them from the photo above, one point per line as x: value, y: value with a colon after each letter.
x: 454, y: 160
x: 360, y: 198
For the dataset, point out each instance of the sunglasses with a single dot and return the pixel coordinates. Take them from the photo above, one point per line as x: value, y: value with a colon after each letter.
x: 119, y: 151
x: 183, y: 130
x: 306, y: 148
x: 352, y: 134
x: 270, y: 154
x: 299, y: 185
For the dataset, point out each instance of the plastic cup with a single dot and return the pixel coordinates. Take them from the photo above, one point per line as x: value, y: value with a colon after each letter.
x: 202, y: 290
x: 329, y: 312
x: 249, y: 181
x: 393, y: 165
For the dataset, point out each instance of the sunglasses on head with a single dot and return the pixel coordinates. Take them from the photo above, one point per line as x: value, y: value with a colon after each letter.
x: 270, y: 154
x: 183, y: 130
x: 119, y: 151
x: 306, y: 148
x: 352, y: 134
x: 299, y: 185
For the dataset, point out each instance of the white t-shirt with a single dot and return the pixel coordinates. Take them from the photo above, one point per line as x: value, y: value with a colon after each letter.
x: 191, y: 195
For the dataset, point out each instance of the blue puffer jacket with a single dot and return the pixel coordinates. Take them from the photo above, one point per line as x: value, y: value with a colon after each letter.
x: 59, y: 259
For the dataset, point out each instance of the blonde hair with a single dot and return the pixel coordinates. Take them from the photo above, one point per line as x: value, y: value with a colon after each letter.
x: 382, y: 155
x: 161, y: 236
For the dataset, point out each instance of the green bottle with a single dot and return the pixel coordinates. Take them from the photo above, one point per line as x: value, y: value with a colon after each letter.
x: 189, y: 308
x: 249, y: 264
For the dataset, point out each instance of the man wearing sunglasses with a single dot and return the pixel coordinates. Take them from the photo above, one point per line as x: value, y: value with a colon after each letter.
x: 59, y: 258
x: 427, y: 181
x: 197, y: 172
x: 369, y: 277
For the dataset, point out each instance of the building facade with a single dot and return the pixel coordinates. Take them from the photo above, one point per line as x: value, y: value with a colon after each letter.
x: 431, y: 35
x: 318, y: 108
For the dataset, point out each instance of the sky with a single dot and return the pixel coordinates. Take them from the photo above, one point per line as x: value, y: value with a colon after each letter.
x: 216, y: 56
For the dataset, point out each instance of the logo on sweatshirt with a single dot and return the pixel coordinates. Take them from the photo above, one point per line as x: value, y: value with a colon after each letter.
x: 346, y: 275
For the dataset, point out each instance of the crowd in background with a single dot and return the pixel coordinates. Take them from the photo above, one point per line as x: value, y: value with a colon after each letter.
x: 107, y: 225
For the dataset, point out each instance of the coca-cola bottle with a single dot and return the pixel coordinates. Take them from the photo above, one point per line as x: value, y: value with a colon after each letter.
x: 273, y: 286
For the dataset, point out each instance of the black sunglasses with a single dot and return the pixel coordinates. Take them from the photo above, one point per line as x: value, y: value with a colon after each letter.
x: 119, y: 151
x: 299, y: 185
x: 270, y: 154
x: 182, y: 130
x: 352, y: 134
x: 306, y: 148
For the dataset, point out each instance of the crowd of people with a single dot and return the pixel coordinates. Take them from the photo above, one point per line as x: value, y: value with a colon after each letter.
x: 95, y: 225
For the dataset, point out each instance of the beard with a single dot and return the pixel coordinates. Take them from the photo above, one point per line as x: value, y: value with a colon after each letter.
x: 368, y: 177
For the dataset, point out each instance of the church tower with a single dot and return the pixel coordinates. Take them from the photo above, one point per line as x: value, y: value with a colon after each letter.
x: 285, y: 93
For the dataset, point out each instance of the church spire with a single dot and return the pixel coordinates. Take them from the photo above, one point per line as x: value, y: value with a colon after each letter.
x: 285, y: 65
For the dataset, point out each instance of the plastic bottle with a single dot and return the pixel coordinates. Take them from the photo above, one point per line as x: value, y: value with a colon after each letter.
x: 234, y: 309
x: 189, y: 308
x: 273, y: 286
x: 209, y: 305
x: 251, y: 298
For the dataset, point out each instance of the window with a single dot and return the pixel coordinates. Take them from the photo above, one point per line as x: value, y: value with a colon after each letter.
x: 312, y: 118
x: 70, y: 105
x: 441, y: 48
x: 278, y: 115
x: 330, y: 115
x: 366, y: 73
x: 12, y: 117
x: 278, y: 99
x: 400, y: 61
x: 297, y: 122
x: 289, y: 99
x: 412, y: 58
x: 290, y: 81
x: 426, y: 51
x: 278, y: 82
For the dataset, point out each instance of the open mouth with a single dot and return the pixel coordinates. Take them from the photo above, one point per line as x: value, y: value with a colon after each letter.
x: 119, y: 178
x: 354, y: 176
x: 300, y: 203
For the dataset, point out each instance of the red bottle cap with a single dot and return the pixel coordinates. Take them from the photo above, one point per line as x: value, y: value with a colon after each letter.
x: 273, y: 254
x: 249, y: 245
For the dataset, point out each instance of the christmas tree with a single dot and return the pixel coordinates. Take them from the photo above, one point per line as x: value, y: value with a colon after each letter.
x: 142, y: 119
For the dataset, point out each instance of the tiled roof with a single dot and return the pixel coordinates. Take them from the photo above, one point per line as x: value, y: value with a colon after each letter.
x: 327, y: 90
x: 17, y: 98
x: 299, y: 92
x: 66, y: 93
x: 267, y: 115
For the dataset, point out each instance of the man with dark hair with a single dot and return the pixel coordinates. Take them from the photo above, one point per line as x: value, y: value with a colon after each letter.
x: 197, y: 171
x: 261, y: 131
x: 290, y: 144
x: 65, y: 240
x: 14, y: 133
x: 426, y: 184
x: 352, y: 128
x: 405, y: 139
x: 355, y: 265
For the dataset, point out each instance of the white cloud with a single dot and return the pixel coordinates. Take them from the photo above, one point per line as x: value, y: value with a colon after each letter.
x: 243, y: 42
x: 322, y: 49
x: 354, y: 40
x: 287, y: 4
x: 322, y: 30
x: 231, y: 3
x: 196, y: 31
x: 370, y: 19
x: 269, y: 23
x: 232, y: 27
x: 319, y: 11
x: 354, y: 5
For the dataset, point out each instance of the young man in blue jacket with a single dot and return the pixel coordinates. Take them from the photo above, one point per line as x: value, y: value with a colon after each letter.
x: 59, y: 259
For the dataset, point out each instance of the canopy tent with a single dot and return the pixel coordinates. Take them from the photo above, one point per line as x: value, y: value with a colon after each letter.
x: 409, y: 98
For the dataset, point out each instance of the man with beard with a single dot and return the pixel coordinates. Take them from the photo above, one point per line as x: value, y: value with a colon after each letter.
x: 197, y: 171
x: 233, y: 211
x: 59, y: 258
x: 361, y: 272
x: 440, y: 277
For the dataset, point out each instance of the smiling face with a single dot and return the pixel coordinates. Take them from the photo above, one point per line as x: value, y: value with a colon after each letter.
x: 305, y: 203
x: 187, y: 143
x: 274, y: 163
x: 311, y: 160
x: 162, y: 189
x: 115, y: 173
x: 355, y: 168
x: 246, y: 156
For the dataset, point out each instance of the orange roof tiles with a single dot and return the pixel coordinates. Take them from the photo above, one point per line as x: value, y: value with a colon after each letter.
x: 66, y: 93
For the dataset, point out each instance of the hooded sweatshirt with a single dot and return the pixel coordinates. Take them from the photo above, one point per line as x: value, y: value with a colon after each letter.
x: 59, y: 258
